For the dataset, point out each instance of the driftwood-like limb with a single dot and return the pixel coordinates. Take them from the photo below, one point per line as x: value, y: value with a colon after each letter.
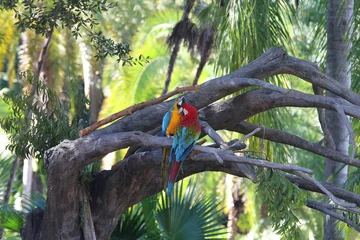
x: 205, y: 127
x: 279, y: 136
x: 140, y: 173
x: 239, y: 146
x: 274, y: 61
x: 326, y: 208
x: 125, y: 139
x: 133, y: 149
x: 337, y: 191
x: 247, y: 169
x: 326, y: 191
x: 260, y: 163
x: 134, y: 108
x: 245, y: 137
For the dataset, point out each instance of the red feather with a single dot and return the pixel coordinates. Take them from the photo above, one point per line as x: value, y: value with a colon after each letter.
x: 191, y: 118
x: 174, y: 171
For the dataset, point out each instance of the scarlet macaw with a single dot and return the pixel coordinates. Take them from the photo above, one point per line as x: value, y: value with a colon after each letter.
x: 171, y: 121
x: 185, y: 137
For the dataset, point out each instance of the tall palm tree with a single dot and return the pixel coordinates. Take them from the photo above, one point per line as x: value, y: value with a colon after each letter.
x: 183, y: 30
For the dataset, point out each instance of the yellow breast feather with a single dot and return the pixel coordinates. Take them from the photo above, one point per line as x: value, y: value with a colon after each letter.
x: 174, y: 122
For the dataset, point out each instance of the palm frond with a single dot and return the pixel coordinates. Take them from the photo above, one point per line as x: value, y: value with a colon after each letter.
x: 189, y: 215
x: 186, y: 30
x: 5, y: 166
x: 131, y: 225
x: 149, y: 206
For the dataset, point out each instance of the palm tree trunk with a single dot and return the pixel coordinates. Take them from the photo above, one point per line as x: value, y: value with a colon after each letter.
x: 92, y: 81
x: 338, y: 67
x: 173, y: 57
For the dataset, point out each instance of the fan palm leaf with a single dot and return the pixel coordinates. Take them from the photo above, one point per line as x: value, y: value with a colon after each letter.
x: 131, y: 225
x: 188, y: 215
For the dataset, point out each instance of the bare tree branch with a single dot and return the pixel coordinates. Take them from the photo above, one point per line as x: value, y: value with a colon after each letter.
x: 205, y: 127
x: 292, y: 140
x: 245, y: 137
x: 274, y: 61
x: 134, y: 108
x: 326, y: 191
x: 326, y: 208
x: 140, y: 173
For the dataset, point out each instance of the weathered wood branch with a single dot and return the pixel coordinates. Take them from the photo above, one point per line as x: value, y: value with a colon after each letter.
x: 327, y: 209
x: 326, y: 191
x: 140, y: 173
x: 135, y: 108
x: 274, y: 61
x: 234, y: 110
x: 279, y: 136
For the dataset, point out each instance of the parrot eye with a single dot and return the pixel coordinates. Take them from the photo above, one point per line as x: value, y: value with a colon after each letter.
x: 181, y: 101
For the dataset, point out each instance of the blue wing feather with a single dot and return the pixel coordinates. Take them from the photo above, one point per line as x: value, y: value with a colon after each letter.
x: 184, y: 141
x: 165, y: 122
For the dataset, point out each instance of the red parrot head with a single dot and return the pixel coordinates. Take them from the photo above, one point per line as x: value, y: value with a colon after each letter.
x: 190, y: 114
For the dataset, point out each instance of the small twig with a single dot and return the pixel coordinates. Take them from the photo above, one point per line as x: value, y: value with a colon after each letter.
x: 135, y: 108
x: 245, y: 137
x: 327, y: 192
x: 325, y: 208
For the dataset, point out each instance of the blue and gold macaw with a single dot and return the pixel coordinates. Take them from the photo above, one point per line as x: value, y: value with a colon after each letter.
x: 171, y: 121
x: 185, y: 138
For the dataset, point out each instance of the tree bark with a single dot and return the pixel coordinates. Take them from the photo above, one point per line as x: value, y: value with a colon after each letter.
x: 338, y: 67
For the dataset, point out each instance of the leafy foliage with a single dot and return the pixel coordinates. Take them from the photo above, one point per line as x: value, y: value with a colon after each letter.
x: 44, y: 17
x: 189, y: 216
x: 14, y: 220
x: 5, y: 166
x: 131, y: 225
x: 282, y: 199
x: 48, y: 127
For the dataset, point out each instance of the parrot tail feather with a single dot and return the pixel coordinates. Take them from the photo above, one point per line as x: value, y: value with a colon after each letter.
x: 170, y: 188
x: 173, y: 175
